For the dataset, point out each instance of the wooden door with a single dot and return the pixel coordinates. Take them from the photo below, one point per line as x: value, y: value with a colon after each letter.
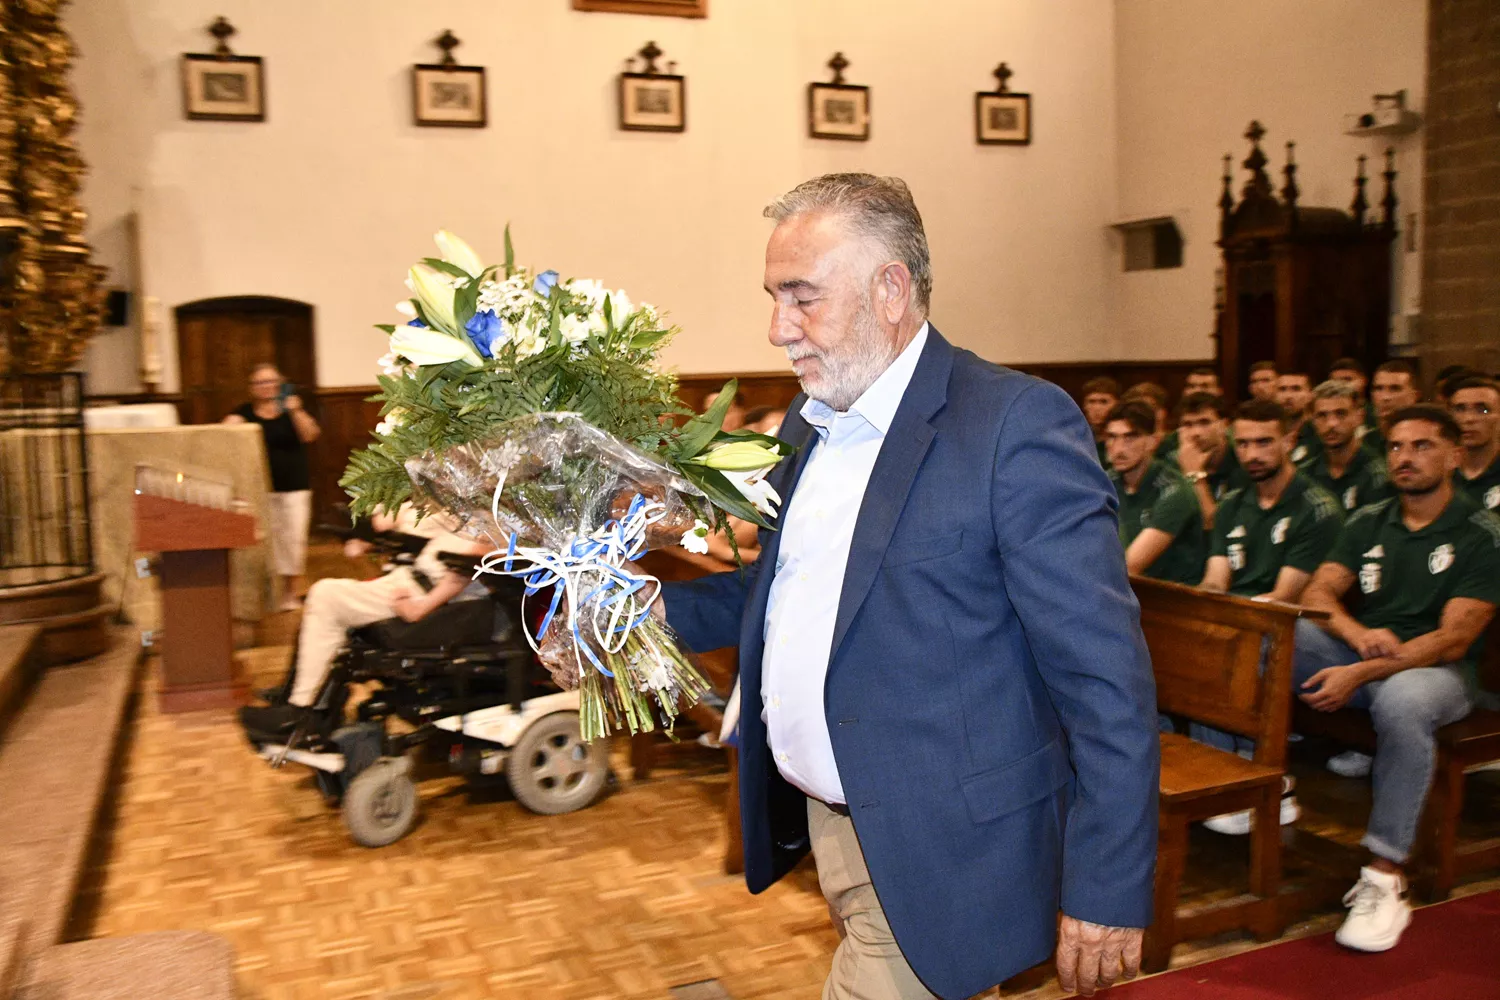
x: 220, y: 341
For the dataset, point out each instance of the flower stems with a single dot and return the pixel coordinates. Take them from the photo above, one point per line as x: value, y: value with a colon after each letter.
x: 651, y: 677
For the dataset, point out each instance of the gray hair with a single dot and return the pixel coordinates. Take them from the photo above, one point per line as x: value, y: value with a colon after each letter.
x: 1336, y: 389
x: 880, y: 208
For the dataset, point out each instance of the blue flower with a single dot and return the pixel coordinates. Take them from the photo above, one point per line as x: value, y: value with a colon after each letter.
x: 417, y: 323
x: 487, y: 331
x: 544, y: 283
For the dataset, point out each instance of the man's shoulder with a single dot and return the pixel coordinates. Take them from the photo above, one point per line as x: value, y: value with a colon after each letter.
x: 1369, y: 518
x: 1319, y: 503
x: 1488, y: 524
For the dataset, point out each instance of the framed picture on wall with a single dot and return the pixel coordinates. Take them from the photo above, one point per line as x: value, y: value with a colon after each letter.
x: 1002, y: 119
x: 653, y: 102
x: 672, y: 8
x: 223, y: 88
x: 838, y: 111
x: 449, y: 96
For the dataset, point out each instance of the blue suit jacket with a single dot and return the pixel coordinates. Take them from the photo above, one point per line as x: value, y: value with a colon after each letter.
x: 989, y: 694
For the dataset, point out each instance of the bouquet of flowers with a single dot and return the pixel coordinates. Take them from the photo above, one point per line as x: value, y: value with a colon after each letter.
x: 532, y: 408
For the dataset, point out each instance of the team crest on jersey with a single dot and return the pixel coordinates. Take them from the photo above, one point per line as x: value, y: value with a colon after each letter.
x: 1369, y: 577
x: 1351, y: 498
x: 1492, y: 498
x: 1278, y: 533
x: 1236, y: 554
x: 1441, y: 559
x: 1378, y: 552
x: 1299, y: 453
x: 1237, y: 532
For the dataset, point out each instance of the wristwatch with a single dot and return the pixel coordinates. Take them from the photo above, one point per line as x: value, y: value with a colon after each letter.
x: 1196, y: 477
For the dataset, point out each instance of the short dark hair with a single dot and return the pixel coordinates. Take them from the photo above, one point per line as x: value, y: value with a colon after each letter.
x: 1196, y: 402
x: 1398, y: 367
x: 1463, y: 382
x: 1264, y: 411
x: 1346, y: 365
x: 1263, y: 366
x: 1447, y: 386
x: 1103, y: 384
x: 1432, y: 413
x: 1135, y: 413
x: 1204, y: 371
x: 1147, y: 390
x: 1294, y: 373
x: 1448, y: 371
x: 758, y: 413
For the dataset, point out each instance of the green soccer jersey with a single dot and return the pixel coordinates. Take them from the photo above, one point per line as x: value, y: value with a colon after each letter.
x: 1228, y: 476
x: 1364, y: 480
x: 1406, y: 577
x: 1484, y: 489
x: 1297, y: 532
x: 1309, y: 446
x: 1165, y: 500
x: 1103, y: 458
x: 1168, y: 445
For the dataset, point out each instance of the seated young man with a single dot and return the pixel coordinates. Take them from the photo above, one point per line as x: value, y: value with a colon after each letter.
x: 1268, y: 540
x: 1393, y: 387
x: 1269, y: 536
x: 1294, y: 393
x: 334, y: 606
x: 1345, y: 467
x: 1205, y: 451
x: 1427, y: 564
x: 1161, y: 525
x: 1475, y: 404
x: 1098, y: 397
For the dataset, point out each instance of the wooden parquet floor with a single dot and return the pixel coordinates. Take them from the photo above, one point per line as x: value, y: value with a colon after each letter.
x: 483, y: 898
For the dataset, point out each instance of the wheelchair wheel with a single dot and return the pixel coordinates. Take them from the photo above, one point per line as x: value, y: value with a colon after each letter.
x: 552, y: 770
x: 380, y: 804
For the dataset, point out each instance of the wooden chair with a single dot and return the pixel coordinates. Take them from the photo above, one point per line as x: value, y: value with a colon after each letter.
x: 1205, y: 653
x: 1463, y: 746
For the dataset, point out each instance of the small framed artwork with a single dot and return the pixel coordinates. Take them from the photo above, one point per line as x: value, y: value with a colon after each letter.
x: 654, y: 102
x: 223, y: 88
x: 449, y: 96
x: 672, y: 8
x: 838, y: 111
x: 1002, y: 117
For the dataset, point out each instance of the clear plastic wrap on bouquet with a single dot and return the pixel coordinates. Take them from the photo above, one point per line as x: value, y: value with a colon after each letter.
x: 567, y: 507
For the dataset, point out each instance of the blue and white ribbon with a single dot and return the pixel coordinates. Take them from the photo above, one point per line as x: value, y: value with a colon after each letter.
x: 605, y: 601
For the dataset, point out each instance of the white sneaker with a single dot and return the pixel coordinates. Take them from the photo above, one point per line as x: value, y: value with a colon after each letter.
x: 1378, y: 912
x: 1350, y: 764
x: 1238, y: 824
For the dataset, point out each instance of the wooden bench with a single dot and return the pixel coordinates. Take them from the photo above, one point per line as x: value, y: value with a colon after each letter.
x: 1439, y: 858
x: 1206, y: 654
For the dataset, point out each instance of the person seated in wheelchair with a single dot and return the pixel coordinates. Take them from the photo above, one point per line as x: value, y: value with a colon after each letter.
x: 333, y: 607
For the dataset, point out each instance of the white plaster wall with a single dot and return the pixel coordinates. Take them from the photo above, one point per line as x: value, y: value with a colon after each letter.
x: 330, y: 199
x: 1191, y: 76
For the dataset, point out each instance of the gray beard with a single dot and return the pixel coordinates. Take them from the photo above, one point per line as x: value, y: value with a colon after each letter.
x: 844, y: 378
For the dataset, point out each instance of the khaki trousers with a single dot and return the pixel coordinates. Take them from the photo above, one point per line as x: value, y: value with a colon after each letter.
x: 868, y: 964
x: 333, y: 607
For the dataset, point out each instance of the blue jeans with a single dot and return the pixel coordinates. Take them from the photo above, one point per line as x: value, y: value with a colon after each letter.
x: 1407, y: 709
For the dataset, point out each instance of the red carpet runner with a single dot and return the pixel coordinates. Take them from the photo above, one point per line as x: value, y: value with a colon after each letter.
x: 1450, y: 952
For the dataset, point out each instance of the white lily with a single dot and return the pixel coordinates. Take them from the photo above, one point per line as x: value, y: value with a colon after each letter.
x: 436, y: 296
x: 754, y: 488
x: 695, y: 539
x: 405, y: 308
x: 458, y: 253
x: 422, y: 346
x: 741, y: 456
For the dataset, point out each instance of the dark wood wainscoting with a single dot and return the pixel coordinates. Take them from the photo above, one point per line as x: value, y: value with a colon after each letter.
x: 778, y: 388
x: 347, y: 415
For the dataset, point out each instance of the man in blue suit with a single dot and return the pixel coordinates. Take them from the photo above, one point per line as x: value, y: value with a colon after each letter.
x: 947, y: 696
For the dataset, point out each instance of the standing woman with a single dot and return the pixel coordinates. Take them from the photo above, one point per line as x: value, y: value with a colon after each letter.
x: 288, y: 430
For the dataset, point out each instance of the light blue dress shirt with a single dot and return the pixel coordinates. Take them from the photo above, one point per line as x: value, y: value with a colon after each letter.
x: 804, y: 601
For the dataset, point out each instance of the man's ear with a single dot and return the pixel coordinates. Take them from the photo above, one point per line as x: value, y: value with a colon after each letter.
x: 893, y: 291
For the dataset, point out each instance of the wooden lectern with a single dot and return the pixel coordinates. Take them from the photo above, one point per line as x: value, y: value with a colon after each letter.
x: 186, y: 520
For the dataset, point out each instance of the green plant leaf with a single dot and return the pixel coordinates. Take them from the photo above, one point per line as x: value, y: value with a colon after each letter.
x: 510, y: 253
x: 465, y: 299
x: 438, y: 264
x: 698, y: 432
x: 722, y: 494
x: 386, y: 328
